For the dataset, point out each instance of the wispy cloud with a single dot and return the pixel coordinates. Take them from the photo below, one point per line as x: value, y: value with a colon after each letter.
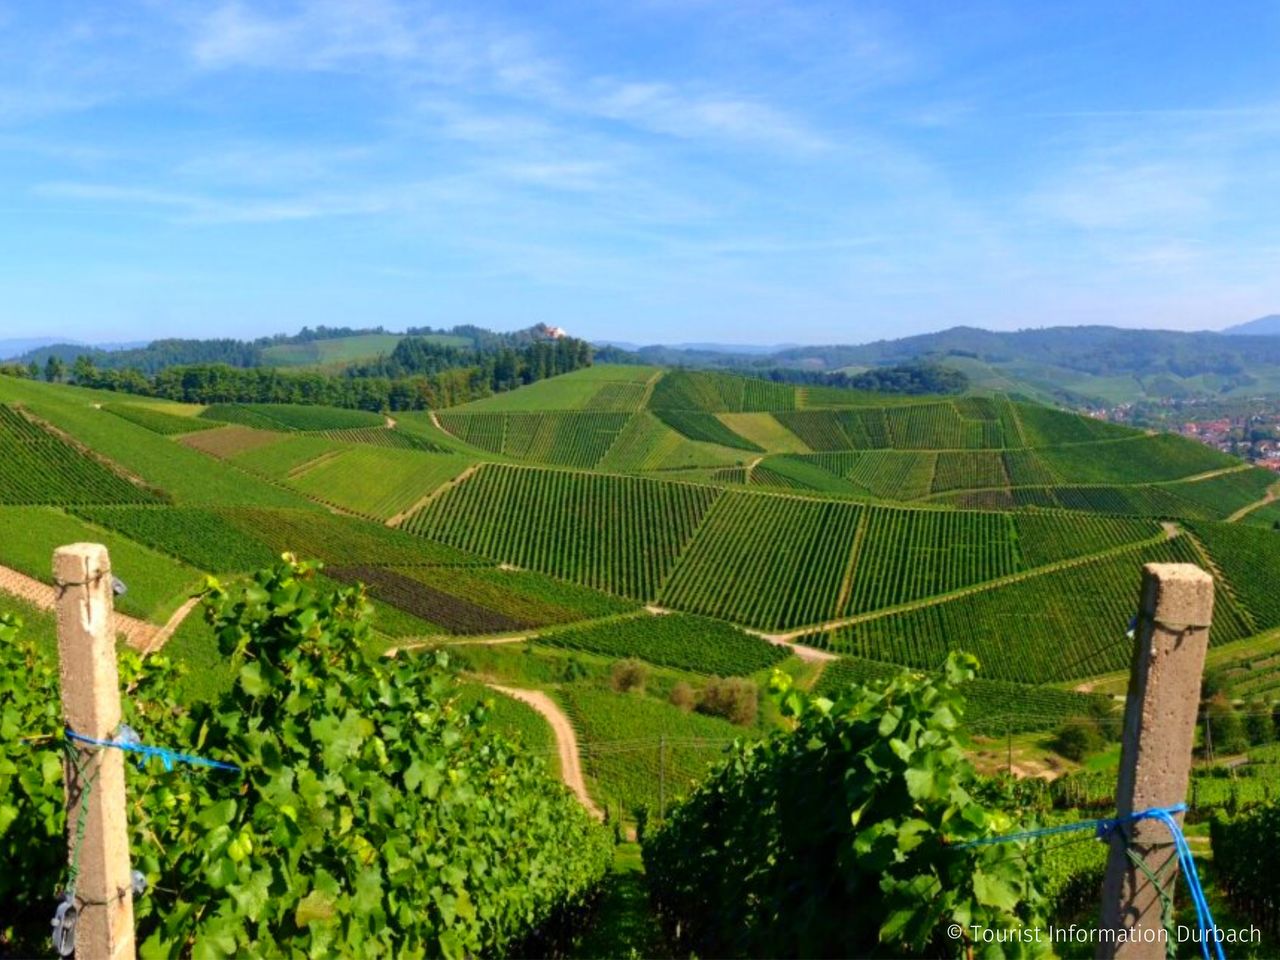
x: 198, y: 208
x: 1117, y: 196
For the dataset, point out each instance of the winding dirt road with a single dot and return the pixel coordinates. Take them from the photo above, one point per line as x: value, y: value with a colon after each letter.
x: 566, y: 740
x: 142, y: 636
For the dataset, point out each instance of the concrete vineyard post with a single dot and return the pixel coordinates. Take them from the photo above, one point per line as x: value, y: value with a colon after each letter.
x: 91, y: 707
x: 1175, y: 611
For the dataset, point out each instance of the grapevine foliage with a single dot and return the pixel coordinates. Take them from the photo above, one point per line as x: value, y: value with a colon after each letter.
x: 374, y: 815
x: 840, y: 837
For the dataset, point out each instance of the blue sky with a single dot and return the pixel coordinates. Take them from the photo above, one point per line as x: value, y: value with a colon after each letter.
x: 662, y: 170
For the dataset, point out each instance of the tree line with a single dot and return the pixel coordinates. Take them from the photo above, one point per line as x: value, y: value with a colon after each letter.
x: 419, y: 375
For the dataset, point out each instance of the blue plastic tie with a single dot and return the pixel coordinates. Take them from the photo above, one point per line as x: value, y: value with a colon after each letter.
x: 128, y: 741
x: 1103, y: 828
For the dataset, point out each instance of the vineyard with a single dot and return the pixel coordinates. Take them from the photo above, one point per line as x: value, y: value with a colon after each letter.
x: 286, y: 416
x: 569, y: 439
x: 157, y: 421
x: 696, y: 644
x: 768, y: 562
x: 697, y: 425
x: 377, y: 482
x: 617, y: 534
x: 37, y: 466
x: 719, y: 393
x: 1016, y: 631
x: 911, y: 554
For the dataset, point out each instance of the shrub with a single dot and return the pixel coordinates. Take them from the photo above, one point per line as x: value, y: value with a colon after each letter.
x: 1224, y: 730
x: 845, y: 836
x: 733, y: 698
x: 574, y: 669
x: 1258, y: 723
x: 630, y: 674
x: 1077, y: 738
x: 1108, y: 720
x: 683, y: 696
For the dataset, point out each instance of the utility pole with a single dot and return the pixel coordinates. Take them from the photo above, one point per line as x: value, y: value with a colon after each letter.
x: 97, y: 827
x: 1175, y: 611
x: 662, y: 778
x: 1008, y: 729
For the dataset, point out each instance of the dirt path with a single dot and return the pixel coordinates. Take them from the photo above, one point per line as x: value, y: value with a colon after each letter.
x: 142, y: 636
x: 422, y: 501
x: 566, y: 740
x: 804, y: 652
x: 390, y: 421
x: 1268, y: 497
x: 939, y: 598
x: 648, y: 389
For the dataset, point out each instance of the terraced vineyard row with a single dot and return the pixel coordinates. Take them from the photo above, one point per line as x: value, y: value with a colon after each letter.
x: 1249, y: 558
x: 617, y: 396
x: 967, y: 471
x: 288, y: 416
x: 1044, y: 538
x: 939, y: 426
x: 37, y: 466
x: 453, y: 614
x: 377, y: 482
x: 484, y: 430
x: 1059, y: 625
x: 1046, y: 427
x: 573, y: 439
x: 910, y: 554
x: 899, y: 475
x: 525, y: 595
x: 618, y: 534
x: 568, y: 439
x: 199, y: 536
x: 679, y: 640
x: 719, y: 393
x: 337, y: 539
x: 770, y: 562
x: 384, y: 437
x: 697, y: 425
x: 1209, y: 499
x: 157, y: 421
x: 1134, y: 460
x: 646, y: 443
x: 798, y: 473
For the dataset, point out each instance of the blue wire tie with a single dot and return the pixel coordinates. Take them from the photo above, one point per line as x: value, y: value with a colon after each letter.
x: 129, y: 741
x: 1103, y: 828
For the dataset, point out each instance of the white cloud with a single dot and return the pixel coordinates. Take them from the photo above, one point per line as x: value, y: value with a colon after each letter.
x: 206, y: 209
x: 1109, y: 196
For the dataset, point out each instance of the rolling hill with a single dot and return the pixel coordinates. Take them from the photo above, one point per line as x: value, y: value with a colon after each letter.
x: 887, y: 529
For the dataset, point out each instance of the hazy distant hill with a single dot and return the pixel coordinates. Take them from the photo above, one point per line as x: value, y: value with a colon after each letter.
x: 1268, y: 326
x: 1081, y: 366
x: 17, y: 347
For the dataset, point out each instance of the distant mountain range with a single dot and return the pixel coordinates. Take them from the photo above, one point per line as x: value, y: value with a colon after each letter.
x: 1078, y: 366
x: 22, y: 346
x: 1268, y: 326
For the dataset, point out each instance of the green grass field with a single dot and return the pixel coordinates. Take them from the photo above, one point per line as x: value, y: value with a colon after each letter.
x: 341, y: 349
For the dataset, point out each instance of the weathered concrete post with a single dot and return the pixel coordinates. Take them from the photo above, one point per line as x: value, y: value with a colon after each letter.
x: 1175, y: 611
x: 91, y: 706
